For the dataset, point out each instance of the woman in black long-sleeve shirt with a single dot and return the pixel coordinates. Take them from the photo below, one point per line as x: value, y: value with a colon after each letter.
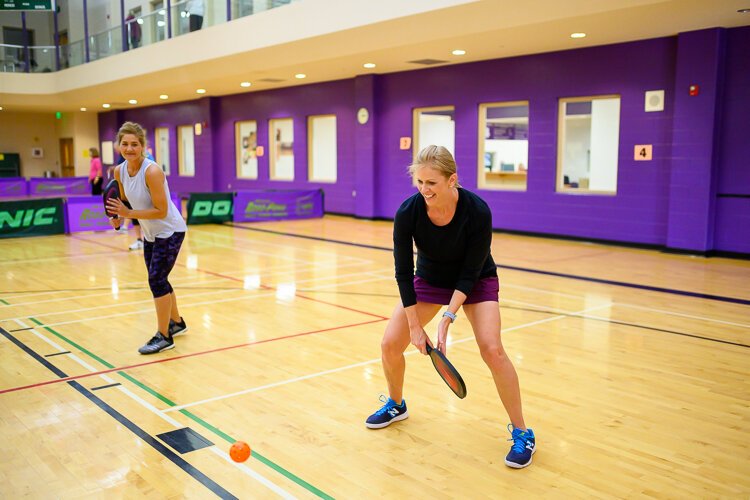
x: 452, y: 229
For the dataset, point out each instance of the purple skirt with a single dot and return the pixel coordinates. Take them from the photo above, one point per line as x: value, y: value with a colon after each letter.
x: 485, y: 290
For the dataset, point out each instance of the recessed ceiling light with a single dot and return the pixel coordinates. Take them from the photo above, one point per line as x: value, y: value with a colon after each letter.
x: 578, y: 35
x: 105, y: 106
x: 164, y: 97
x: 245, y: 84
x: 1, y: 108
x: 200, y: 91
x: 369, y: 65
x: 133, y: 101
x: 458, y: 52
x: 83, y: 109
x: 300, y: 76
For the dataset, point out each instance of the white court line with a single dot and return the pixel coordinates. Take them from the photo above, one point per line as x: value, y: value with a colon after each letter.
x: 362, y: 363
x: 618, y: 304
x: 176, y: 424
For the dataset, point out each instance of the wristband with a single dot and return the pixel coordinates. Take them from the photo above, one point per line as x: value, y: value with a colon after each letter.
x: 450, y: 315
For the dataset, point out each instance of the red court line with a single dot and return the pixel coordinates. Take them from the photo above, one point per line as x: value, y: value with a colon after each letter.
x: 166, y: 360
x: 265, y: 287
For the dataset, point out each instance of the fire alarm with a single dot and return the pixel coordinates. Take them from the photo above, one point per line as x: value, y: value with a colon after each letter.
x: 694, y: 89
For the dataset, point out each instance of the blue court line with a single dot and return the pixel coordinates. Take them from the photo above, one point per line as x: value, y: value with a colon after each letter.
x: 150, y: 440
x: 721, y: 298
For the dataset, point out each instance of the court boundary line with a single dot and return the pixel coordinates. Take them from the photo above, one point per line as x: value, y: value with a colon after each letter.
x: 721, y: 298
x: 162, y: 449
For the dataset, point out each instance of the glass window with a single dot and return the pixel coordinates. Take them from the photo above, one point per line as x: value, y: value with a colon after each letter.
x: 322, y: 164
x: 246, y: 142
x: 162, y: 148
x: 589, y: 137
x: 281, y: 140
x: 434, y: 126
x: 186, y: 150
x: 503, y: 145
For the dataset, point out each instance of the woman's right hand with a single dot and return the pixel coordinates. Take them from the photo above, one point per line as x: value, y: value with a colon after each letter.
x: 419, y: 339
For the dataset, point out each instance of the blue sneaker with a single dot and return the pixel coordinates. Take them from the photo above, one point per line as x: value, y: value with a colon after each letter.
x: 389, y: 413
x: 524, y: 445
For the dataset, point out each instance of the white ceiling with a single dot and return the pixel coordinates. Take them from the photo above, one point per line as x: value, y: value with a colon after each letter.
x: 330, y: 40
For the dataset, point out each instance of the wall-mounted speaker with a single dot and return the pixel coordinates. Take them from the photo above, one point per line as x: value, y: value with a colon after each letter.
x: 654, y: 100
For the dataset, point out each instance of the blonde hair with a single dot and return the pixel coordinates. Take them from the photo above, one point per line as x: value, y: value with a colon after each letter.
x: 134, y: 129
x: 437, y: 157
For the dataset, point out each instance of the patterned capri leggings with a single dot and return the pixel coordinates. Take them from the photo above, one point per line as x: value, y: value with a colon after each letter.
x: 160, y: 256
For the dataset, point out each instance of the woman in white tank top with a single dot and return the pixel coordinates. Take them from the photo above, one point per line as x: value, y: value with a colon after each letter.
x: 144, y: 185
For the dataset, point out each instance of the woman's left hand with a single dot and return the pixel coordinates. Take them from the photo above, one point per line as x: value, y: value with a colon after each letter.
x: 442, y: 336
x: 118, y: 207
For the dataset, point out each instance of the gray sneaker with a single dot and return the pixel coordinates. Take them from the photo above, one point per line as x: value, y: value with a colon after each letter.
x: 177, y: 328
x: 157, y: 343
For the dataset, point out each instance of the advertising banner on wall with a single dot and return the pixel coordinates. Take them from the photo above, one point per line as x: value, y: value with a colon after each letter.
x: 86, y: 213
x: 277, y: 205
x: 31, y: 217
x: 13, y: 187
x: 43, y: 186
x: 209, y: 208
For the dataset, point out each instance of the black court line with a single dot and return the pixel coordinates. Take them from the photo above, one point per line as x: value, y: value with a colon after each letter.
x: 124, y: 421
x: 106, y: 386
x: 56, y: 354
x: 721, y: 298
x: 571, y: 315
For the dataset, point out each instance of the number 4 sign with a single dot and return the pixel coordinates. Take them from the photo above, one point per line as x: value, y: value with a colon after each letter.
x: 642, y: 152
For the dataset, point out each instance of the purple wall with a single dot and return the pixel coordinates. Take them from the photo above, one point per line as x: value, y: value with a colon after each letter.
x: 655, y: 202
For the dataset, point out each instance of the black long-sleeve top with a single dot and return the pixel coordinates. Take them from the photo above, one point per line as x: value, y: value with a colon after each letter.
x: 453, y: 256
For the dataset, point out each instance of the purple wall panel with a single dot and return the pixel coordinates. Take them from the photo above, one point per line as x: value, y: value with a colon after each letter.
x: 637, y: 213
x: 297, y: 103
x: 733, y: 225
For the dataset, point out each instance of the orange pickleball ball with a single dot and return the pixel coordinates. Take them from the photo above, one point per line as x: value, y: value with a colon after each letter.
x: 240, y: 451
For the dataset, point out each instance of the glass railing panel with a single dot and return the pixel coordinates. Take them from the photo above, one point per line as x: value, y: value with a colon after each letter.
x: 12, y: 59
x: 242, y: 8
x: 72, y: 54
x: 105, y: 44
x: 42, y: 59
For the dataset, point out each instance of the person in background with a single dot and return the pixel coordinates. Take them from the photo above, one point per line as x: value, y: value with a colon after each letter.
x: 95, y: 172
x: 452, y: 230
x: 134, y: 30
x: 195, y: 10
x: 143, y: 183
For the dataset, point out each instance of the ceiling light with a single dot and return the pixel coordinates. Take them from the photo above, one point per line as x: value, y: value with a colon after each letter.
x: 83, y: 109
x: 578, y: 35
x: 245, y: 84
x: 369, y: 65
x: 105, y: 106
x: 164, y: 97
x: 458, y: 52
x: 200, y: 91
x: 133, y: 101
x: 300, y: 76
x: 1, y: 108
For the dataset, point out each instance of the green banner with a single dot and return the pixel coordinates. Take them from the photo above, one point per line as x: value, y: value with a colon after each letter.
x: 210, y: 208
x: 27, y: 4
x: 31, y: 217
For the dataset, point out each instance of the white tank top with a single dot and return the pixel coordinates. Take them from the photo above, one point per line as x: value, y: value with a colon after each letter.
x: 137, y: 193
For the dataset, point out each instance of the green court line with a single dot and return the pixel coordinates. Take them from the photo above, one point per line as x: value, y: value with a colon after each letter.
x: 229, y: 439
x: 4, y: 302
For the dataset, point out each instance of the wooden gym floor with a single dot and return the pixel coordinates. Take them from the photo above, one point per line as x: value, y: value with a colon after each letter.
x: 634, y: 372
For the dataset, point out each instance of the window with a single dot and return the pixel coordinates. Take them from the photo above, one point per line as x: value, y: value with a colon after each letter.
x: 589, y: 137
x: 186, y: 151
x: 246, y: 142
x: 321, y: 146
x: 434, y: 126
x: 281, y: 140
x: 162, y: 148
x: 503, y: 145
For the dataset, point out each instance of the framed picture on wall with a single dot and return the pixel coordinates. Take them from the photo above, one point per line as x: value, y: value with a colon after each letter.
x: 246, y: 143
